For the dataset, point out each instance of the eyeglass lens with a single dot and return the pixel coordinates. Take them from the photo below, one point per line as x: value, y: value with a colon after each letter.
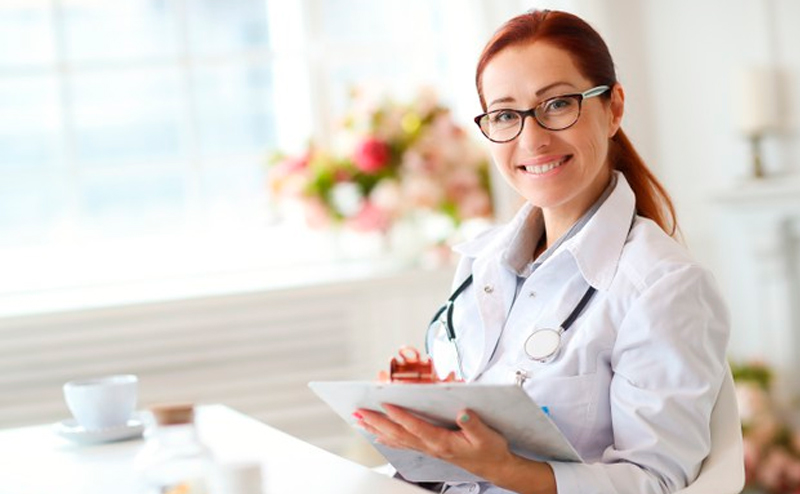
x: 554, y: 114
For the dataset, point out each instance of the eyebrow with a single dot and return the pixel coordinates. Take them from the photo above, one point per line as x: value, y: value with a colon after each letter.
x: 539, y: 93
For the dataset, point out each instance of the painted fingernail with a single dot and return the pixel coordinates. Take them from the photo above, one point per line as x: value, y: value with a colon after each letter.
x: 464, y: 418
x: 358, y: 416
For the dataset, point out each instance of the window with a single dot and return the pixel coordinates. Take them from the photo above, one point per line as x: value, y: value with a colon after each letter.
x: 122, y: 116
x: 134, y: 133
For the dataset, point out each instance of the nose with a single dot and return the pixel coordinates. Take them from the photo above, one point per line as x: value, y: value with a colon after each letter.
x: 533, y: 135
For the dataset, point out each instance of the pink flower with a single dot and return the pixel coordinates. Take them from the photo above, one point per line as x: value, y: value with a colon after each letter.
x: 287, y: 177
x: 752, y: 459
x: 793, y: 473
x: 316, y: 214
x: 424, y: 158
x: 462, y: 182
x: 294, y: 164
x: 371, y: 155
x: 437, y: 256
x: 370, y: 218
x: 387, y: 196
x: 474, y: 204
x: 291, y: 165
x: 773, y: 471
x: 422, y: 192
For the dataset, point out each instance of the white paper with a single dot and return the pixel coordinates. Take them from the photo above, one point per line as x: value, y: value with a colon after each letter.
x: 505, y: 408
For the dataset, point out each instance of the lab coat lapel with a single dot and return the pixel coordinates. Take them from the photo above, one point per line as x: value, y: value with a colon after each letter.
x: 494, y: 284
x: 494, y: 287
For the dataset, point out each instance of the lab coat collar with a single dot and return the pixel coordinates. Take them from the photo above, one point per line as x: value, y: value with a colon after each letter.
x: 596, y: 249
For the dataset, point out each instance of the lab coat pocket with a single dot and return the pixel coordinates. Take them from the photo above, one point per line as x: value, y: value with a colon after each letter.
x: 570, y: 401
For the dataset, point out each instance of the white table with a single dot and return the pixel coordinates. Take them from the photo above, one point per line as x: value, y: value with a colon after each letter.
x: 34, y: 460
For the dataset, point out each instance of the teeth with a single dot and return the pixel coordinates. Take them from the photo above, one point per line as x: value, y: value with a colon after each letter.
x: 539, y: 169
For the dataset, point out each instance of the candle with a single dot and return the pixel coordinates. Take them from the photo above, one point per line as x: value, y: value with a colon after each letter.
x: 756, y: 101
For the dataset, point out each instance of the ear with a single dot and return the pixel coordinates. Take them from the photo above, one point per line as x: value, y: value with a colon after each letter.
x: 617, y: 108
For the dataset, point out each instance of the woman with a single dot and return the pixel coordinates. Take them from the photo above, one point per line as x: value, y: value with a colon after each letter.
x: 632, y: 379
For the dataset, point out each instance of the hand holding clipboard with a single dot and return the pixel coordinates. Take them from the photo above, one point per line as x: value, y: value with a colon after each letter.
x: 505, y: 408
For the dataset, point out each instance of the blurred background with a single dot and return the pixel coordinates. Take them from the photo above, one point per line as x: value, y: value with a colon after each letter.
x: 150, y: 219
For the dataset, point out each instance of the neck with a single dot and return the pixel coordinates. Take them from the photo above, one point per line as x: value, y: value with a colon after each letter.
x: 555, y: 226
x: 541, y: 246
x: 558, y: 220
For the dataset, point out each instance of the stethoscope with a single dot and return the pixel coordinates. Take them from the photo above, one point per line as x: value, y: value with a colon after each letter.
x: 542, y: 344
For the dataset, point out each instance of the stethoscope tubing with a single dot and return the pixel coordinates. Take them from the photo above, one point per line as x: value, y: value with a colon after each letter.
x: 450, y: 328
x: 451, y: 332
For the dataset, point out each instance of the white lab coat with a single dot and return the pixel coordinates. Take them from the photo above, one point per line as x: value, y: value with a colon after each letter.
x: 638, y: 372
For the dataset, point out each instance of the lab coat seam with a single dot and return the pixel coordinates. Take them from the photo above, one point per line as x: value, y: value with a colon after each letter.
x: 636, y: 281
x: 644, y: 279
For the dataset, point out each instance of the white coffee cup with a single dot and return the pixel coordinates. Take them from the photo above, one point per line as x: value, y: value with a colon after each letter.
x: 102, y: 402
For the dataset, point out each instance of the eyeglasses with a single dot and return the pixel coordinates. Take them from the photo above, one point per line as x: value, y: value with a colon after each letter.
x: 557, y: 113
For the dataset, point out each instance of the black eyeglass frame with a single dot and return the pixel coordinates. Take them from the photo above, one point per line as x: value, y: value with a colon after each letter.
x: 589, y: 93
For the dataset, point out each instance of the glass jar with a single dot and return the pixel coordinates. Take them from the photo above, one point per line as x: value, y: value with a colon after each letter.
x: 174, y: 460
x: 241, y: 477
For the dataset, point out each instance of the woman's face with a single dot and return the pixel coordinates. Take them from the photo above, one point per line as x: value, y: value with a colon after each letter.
x: 564, y: 171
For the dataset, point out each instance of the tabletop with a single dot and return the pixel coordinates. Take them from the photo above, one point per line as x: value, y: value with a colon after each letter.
x: 35, y: 460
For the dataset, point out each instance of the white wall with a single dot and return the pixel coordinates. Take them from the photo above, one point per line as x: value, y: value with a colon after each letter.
x: 696, y: 49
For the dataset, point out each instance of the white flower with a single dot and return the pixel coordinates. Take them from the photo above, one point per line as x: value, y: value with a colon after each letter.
x: 753, y: 401
x: 346, y: 198
x: 436, y: 227
x: 387, y: 196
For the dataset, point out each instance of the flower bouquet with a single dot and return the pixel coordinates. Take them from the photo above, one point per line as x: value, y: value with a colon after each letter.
x: 390, y: 162
x: 771, y: 445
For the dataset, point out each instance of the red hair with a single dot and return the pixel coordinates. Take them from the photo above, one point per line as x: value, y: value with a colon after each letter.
x: 592, y: 58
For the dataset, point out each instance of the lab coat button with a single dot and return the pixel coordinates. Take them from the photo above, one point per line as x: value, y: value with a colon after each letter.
x: 519, y: 377
x: 488, y: 288
x: 532, y: 294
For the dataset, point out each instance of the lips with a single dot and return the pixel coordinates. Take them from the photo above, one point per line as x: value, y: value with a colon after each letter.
x: 544, y: 165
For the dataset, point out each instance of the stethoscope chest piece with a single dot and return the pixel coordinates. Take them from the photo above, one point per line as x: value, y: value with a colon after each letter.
x: 543, y: 344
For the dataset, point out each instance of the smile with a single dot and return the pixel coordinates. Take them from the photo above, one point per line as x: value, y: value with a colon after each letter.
x: 544, y: 167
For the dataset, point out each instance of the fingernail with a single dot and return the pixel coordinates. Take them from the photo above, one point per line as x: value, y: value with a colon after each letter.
x: 464, y: 418
x: 358, y: 416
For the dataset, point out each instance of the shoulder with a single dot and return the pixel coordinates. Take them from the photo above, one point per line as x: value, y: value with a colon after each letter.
x: 667, y: 300
x: 649, y: 254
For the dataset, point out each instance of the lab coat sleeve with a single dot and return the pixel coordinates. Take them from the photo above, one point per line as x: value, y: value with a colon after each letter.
x: 668, y: 363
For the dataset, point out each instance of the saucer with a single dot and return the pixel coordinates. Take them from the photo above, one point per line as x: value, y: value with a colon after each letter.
x: 72, y: 430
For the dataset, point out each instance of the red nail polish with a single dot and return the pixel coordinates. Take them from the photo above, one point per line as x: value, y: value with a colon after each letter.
x: 358, y: 416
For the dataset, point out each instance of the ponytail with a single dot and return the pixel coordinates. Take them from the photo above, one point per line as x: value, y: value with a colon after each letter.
x: 652, y: 200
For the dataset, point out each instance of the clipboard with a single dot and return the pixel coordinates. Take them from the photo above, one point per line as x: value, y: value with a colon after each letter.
x: 506, y: 408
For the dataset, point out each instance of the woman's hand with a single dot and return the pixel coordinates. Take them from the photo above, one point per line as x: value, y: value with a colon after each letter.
x: 474, y: 447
